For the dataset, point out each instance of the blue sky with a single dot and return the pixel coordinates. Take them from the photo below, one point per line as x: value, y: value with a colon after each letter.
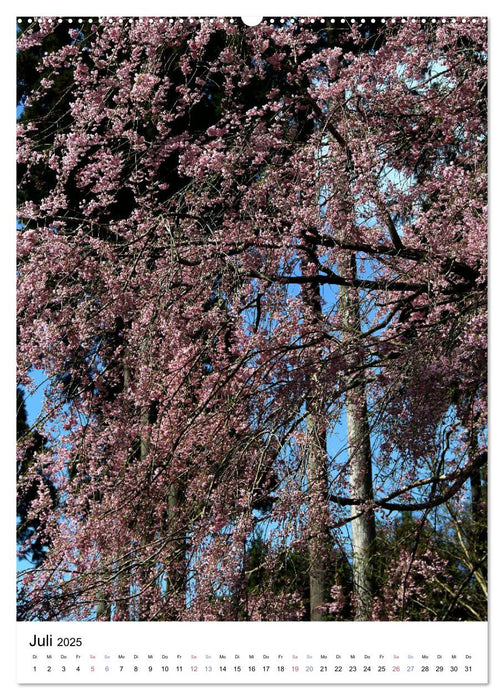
x: 34, y: 399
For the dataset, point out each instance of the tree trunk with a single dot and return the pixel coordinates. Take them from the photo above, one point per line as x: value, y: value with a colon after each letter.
x: 319, y: 537
x: 478, y: 512
x: 177, y: 578
x: 103, y: 608
x: 319, y: 542
x: 359, y: 455
x: 146, y: 574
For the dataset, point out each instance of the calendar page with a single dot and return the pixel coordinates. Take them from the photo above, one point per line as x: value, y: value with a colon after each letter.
x: 252, y: 435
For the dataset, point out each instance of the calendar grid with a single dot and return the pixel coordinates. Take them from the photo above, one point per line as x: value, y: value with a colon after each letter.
x: 204, y: 653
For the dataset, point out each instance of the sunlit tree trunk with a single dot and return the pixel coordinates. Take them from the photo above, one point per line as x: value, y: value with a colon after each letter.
x: 319, y: 543
x: 359, y: 454
x: 103, y: 609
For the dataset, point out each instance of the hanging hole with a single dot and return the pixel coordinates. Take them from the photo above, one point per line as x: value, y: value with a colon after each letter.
x: 251, y: 21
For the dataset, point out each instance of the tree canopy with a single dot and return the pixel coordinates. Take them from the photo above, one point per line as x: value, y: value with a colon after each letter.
x: 252, y: 264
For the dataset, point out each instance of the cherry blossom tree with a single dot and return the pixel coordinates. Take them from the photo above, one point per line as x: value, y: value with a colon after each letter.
x: 252, y: 263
